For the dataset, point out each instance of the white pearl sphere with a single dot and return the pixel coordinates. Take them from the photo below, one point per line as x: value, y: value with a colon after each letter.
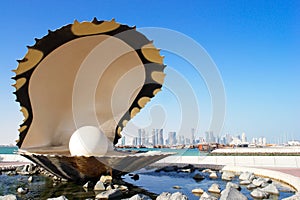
x: 89, y: 141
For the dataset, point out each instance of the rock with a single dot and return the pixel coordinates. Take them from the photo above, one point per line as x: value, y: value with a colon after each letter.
x: 135, y: 177
x: 99, y: 186
x: 227, y: 175
x: 207, y: 171
x: 185, y: 170
x: 168, y: 169
x: 259, y: 194
x: 198, y: 177
x: 271, y: 189
x: 110, y: 194
x: 178, y: 196
x: 164, y: 196
x: 213, y: 175
x: 258, y: 182
x: 233, y: 185
x: 206, y: 196
x: 231, y: 193
x: 264, y: 184
x: 140, y: 197
x: 214, y: 188
x: 246, y: 176
x: 188, y: 168
x: 245, y: 182
x: 109, y: 187
x: 268, y: 180
x: 8, y: 197
x: 88, y: 184
x: 106, y: 179
x: 30, y: 179
x: 251, y: 186
x: 123, y: 188
x: 21, y: 190
x: 197, y: 191
x: 58, y: 198
x: 177, y: 187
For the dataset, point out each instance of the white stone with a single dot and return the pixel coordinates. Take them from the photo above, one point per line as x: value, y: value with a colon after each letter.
x: 271, y: 189
x: 245, y: 176
x: 206, y: 196
x: 231, y: 193
x: 245, y: 182
x: 30, y: 179
x: 110, y: 194
x: 105, y: 179
x: 198, y: 191
x: 259, y: 194
x: 178, y: 196
x: 213, y: 175
x: 21, y: 190
x: 214, y: 188
x: 140, y: 197
x: 227, y: 175
x: 8, y: 197
x: 258, y: 182
x: 164, y: 196
x: 99, y: 186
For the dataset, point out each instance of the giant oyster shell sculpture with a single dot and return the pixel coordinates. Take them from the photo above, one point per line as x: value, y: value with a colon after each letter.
x: 99, y: 74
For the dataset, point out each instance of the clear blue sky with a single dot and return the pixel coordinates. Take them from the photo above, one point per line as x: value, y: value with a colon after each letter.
x: 255, y: 45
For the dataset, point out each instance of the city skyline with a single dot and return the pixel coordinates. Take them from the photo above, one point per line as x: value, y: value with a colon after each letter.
x: 254, y: 45
x: 160, y: 137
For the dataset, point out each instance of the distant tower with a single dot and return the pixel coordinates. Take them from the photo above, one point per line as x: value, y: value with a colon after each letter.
x: 153, y: 137
x: 172, y: 138
x: 244, y: 138
x: 139, y: 140
x: 193, y: 136
x: 161, y: 137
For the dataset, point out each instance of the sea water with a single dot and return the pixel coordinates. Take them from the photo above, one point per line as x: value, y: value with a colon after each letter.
x: 8, y: 149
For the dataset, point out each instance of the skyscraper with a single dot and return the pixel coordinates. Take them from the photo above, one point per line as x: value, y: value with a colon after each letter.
x: 172, y: 138
x: 193, y: 136
x: 160, y: 137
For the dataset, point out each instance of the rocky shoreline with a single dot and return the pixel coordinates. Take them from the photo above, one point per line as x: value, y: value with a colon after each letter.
x: 116, y: 188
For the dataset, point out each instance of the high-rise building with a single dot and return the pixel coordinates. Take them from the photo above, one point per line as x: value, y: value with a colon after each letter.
x: 244, y: 138
x: 160, y: 137
x: 172, y: 138
x: 193, y: 136
x: 135, y: 141
x: 154, y: 140
x: 209, y: 137
x: 139, y: 138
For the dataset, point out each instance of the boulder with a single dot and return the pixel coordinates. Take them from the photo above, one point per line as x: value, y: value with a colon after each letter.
x: 105, y: 179
x: 110, y: 194
x: 214, y: 188
x: 99, y: 186
x: 233, y: 185
x: 88, y: 184
x: 213, y: 175
x: 135, y: 177
x: 251, y: 186
x: 176, y: 187
x: 207, y: 171
x: 58, y: 198
x: 198, y: 177
x: 264, y: 184
x: 8, y: 197
x: 231, y: 193
x: 140, y: 197
x: 271, y: 189
x: 164, y: 196
x: 258, y: 182
x: 168, y: 169
x: 21, y: 190
x: 245, y: 176
x: 178, y: 196
x: 245, y: 182
x: 259, y: 194
x: 206, y: 196
x: 197, y: 191
x: 185, y: 170
x: 227, y: 175
x: 122, y: 188
x: 30, y: 178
